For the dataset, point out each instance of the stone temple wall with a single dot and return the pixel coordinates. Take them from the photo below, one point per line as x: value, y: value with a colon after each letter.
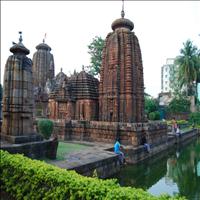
x: 86, y: 109
x: 18, y: 98
x: 99, y: 131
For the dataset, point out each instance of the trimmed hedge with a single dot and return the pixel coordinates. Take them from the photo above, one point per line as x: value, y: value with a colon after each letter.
x: 154, y: 115
x: 24, y: 178
x: 194, y: 118
x: 45, y: 127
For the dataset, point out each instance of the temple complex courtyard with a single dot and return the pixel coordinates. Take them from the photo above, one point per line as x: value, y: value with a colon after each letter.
x: 58, y: 131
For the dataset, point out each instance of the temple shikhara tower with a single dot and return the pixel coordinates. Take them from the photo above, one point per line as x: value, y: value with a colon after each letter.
x: 74, y: 97
x: 43, y: 65
x: 121, y: 90
x: 18, y: 99
x: 18, y: 134
x: 43, y: 70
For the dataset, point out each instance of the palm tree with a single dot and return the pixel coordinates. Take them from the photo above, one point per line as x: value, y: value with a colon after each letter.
x: 189, y: 66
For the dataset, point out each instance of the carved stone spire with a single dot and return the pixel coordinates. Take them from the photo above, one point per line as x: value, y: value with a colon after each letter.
x: 121, y: 89
x: 19, y: 48
x: 122, y: 22
x: 18, y: 99
x: 43, y: 65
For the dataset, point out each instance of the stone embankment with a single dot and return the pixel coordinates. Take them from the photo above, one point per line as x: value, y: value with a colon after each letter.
x: 102, y: 161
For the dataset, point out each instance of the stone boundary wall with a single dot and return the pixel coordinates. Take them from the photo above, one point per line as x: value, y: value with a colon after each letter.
x: 99, y: 131
x: 34, y: 150
x: 177, y: 116
x: 135, y: 155
x: 102, y: 167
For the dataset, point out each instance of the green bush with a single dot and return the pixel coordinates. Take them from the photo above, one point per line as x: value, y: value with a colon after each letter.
x: 182, y: 121
x: 194, y: 118
x: 24, y: 178
x: 151, y: 105
x: 157, y: 115
x: 179, y: 105
x: 45, y: 127
x: 154, y: 115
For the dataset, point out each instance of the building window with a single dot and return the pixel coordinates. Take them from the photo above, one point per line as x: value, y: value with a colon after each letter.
x: 166, y: 69
x: 165, y: 82
x: 165, y: 76
x: 166, y: 89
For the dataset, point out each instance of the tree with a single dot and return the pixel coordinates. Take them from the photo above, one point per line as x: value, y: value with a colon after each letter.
x: 151, y: 108
x: 150, y: 105
x: 95, y: 50
x: 179, y: 104
x: 45, y: 127
x: 189, y: 67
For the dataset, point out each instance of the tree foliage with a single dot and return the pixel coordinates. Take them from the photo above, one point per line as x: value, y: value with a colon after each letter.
x: 179, y: 104
x: 45, y: 127
x: 24, y: 178
x: 151, y: 105
x: 151, y: 108
x: 189, y: 67
x: 194, y: 118
x: 95, y: 51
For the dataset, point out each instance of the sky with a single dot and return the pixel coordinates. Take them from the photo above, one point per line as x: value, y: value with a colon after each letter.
x: 70, y: 26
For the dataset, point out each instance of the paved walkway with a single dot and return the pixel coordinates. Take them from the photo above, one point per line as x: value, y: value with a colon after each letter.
x: 94, y: 153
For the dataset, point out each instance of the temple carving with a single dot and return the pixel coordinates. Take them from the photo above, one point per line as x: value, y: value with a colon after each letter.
x: 119, y: 97
x: 74, y: 97
x: 43, y: 70
x: 43, y: 65
x: 121, y: 89
x: 81, y: 106
x: 18, y: 101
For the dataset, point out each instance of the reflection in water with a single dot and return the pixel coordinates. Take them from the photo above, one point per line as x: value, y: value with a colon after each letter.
x: 172, y: 173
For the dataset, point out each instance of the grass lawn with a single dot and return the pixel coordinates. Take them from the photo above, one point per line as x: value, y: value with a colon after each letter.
x: 66, y: 148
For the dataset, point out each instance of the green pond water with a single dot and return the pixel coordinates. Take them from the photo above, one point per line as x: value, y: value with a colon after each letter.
x: 174, y: 172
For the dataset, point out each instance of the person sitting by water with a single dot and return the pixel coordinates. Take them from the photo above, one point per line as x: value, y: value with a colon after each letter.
x: 117, y: 147
x: 174, y: 125
x: 178, y: 132
x: 144, y: 142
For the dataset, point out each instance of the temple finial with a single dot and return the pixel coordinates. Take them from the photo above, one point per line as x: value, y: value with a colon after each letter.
x: 122, y: 12
x: 20, y: 37
x: 61, y: 69
x: 45, y: 35
x: 83, y: 68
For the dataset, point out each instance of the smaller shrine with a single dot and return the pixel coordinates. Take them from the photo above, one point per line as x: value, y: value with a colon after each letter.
x: 74, y: 97
x: 18, y: 134
x: 115, y: 109
x: 18, y: 100
x: 43, y: 70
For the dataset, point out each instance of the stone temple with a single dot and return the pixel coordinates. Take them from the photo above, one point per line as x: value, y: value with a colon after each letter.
x: 89, y: 110
x: 118, y: 97
x: 18, y: 100
x: 121, y: 89
x: 18, y: 134
x: 74, y: 97
x: 43, y: 70
x: 84, y: 108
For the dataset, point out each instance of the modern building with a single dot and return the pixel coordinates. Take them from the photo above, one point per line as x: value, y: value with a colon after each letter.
x: 166, y: 73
